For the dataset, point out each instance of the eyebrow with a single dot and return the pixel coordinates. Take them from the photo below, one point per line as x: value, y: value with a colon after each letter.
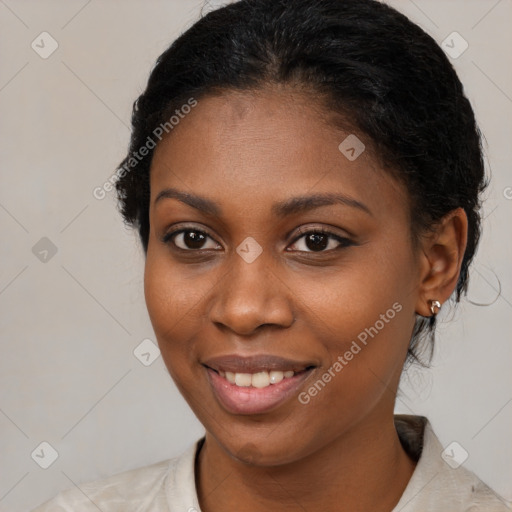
x: 282, y: 209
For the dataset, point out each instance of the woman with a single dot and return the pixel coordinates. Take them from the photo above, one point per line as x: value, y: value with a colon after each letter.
x: 305, y: 179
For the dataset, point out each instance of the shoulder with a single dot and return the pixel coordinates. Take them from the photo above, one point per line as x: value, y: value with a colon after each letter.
x: 111, y: 493
x: 145, y: 489
x: 465, y: 489
x: 440, y: 482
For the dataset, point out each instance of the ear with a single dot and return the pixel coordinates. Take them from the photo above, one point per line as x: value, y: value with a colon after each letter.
x: 442, y: 252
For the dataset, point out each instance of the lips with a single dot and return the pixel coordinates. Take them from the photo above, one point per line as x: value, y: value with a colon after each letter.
x: 253, y: 364
x: 255, y: 384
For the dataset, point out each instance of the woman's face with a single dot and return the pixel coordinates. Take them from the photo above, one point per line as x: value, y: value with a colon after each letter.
x: 248, y: 291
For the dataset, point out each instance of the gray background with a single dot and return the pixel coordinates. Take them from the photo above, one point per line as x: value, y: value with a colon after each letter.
x: 69, y: 325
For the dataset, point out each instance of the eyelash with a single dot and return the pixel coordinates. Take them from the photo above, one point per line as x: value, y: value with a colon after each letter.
x: 343, y: 241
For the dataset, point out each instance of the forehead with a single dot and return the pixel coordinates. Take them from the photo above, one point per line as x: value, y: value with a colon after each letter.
x: 265, y: 146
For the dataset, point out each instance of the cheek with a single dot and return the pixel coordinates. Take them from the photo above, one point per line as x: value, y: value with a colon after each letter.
x: 366, y: 290
x: 363, y: 369
x: 172, y: 291
x: 173, y: 301
x: 364, y: 320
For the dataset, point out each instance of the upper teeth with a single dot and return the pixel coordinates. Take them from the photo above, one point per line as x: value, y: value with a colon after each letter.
x: 257, y: 380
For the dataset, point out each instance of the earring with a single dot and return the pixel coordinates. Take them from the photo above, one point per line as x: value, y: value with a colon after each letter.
x: 434, y: 304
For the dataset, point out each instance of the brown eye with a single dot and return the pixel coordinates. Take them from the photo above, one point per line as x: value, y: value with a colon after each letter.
x: 190, y: 240
x: 318, y: 240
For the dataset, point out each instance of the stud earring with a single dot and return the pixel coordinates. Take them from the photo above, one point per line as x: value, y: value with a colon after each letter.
x: 434, y: 304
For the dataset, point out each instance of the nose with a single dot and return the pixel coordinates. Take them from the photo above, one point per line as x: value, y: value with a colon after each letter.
x: 252, y: 295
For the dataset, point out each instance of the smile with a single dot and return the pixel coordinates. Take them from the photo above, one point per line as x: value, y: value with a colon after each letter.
x: 255, y: 385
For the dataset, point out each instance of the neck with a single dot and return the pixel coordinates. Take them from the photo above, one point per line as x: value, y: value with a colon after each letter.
x: 366, y: 468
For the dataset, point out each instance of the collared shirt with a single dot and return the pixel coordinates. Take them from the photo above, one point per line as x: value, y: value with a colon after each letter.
x: 439, y: 482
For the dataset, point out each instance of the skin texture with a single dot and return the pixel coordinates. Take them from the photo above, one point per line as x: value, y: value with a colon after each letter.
x: 246, y: 151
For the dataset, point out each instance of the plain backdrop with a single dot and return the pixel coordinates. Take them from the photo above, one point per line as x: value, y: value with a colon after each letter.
x: 72, y: 308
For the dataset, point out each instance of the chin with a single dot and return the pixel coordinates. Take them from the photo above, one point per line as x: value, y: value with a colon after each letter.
x: 260, y: 451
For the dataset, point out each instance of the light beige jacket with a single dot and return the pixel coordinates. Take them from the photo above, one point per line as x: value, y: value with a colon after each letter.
x: 439, y: 482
